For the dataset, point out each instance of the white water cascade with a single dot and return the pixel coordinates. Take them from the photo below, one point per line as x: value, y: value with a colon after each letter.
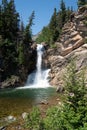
x: 39, y: 78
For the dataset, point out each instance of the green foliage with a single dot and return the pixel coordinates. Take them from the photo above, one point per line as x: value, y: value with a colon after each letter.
x: 44, y: 36
x: 52, y: 120
x: 85, y: 22
x: 27, y: 31
x: 14, y: 39
x: 51, y: 33
x: 72, y: 114
x: 33, y: 120
x: 53, y: 27
x: 53, y: 46
x: 21, y: 55
x: 9, y: 20
x: 68, y: 13
x: 86, y: 40
x: 81, y: 2
x: 76, y: 93
x: 75, y: 85
x: 63, y: 12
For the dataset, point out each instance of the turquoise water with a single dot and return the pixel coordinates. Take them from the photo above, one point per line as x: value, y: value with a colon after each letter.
x: 16, y: 101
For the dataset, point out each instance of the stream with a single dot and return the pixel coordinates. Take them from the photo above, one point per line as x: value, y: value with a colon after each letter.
x: 16, y: 101
x: 36, y: 90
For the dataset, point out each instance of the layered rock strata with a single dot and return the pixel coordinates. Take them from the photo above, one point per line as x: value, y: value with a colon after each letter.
x: 72, y: 45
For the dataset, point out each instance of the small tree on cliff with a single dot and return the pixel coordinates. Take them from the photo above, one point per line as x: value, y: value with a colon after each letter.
x: 81, y: 2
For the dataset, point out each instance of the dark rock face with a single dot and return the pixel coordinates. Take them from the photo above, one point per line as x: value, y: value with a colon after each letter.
x: 13, y: 74
x: 29, y: 66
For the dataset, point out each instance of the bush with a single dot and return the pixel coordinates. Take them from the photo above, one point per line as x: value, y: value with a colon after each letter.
x: 72, y: 115
x: 33, y: 119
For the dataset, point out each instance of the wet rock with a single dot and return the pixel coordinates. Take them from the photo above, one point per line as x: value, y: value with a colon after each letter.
x: 44, y: 102
x: 14, y: 81
x: 18, y: 127
x: 3, y: 128
x: 24, y: 115
x: 45, y: 45
x: 60, y: 89
x: 10, y: 119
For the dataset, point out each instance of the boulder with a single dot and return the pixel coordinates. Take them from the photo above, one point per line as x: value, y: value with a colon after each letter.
x: 14, y: 81
x: 82, y: 9
x: 10, y: 119
x: 60, y: 89
x: 44, y: 102
x: 24, y: 115
x: 34, y: 46
x: 2, y: 127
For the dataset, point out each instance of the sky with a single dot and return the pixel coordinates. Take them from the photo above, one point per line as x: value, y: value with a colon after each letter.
x: 43, y: 11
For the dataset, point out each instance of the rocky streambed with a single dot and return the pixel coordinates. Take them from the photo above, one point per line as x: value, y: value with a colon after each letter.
x: 14, y: 105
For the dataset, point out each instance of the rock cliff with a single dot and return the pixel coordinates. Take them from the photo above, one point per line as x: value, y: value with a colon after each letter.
x: 71, y: 45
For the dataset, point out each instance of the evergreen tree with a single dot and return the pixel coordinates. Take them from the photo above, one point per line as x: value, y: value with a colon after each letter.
x: 68, y: 13
x: 45, y: 35
x: 81, y: 2
x: 31, y: 18
x: 9, y: 20
x: 0, y: 19
x: 63, y: 12
x: 53, y: 26
x: 28, y: 31
x: 4, y: 5
x: 12, y: 21
x: 71, y: 114
x: 3, y: 15
x: 13, y: 36
x: 22, y: 26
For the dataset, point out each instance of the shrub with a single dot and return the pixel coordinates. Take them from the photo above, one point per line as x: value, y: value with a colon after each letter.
x: 72, y: 115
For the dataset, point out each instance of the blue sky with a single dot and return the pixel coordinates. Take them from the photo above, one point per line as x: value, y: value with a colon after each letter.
x: 43, y: 11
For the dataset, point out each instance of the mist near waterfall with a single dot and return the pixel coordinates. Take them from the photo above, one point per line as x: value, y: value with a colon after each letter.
x: 39, y: 77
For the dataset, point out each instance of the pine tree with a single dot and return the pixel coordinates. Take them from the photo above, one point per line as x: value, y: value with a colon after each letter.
x: 22, y: 26
x: 13, y: 20
x: 68, y: 13
x: 3, y: 18
x: 44, y: 36
x: 4, y: 5
x: 28, y: 31
x: 0, y: 19
x: 81, y: 2
x: 9, y: 20
x: 76, y: 101
x: 53, y: 26
x: 63, y: 12
x: 31, y: 18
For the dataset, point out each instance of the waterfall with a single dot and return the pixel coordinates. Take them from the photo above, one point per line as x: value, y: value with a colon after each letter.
x: 38, y: 78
